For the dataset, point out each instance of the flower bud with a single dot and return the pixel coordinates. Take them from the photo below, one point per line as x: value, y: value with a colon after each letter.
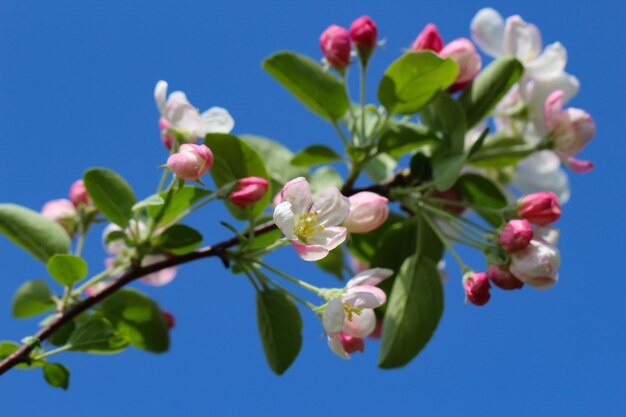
x: 367, y: 212
x: 63, y: 212
x: 364, y: 32
x: 537, y: 265
x: 503, y: 278
x: 477, y: 288
x: 453, y: 195
x: 540, y: 208
x: 335, y: 44
x: 248, y: 191
x: 169, y: 319
x: 429, y: 39
x: 351, y: 344
x: 191, y: 162
x: 516, y: 235
x: 78, y: 194
x: 463, y: 52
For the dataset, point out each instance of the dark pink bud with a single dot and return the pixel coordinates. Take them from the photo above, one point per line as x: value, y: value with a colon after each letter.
x: 364, y: 32
x: 428, y: 40
x: 248, y: 191
x: 516, y: 235
x: 78, y: 194
x: 169, y: 319
x: 503, y: 278
x: 351, y: 344
x: 335, y: 44
x: 540, y: 208
x: 453, y: 195
x: 477, y: 288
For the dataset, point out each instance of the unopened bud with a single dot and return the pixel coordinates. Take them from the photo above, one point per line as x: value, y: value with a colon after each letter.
x: 516, y: 235
x: 335, y: 44
x: 537, y: 265
x: 248, y: 191
x: 364, y: 32
x: 503, y: 278
x: 477, y: 288
x: 540, y: 208
x: 191, y: 162
x: 78, y: 194
x: 63, y: 212
x: 367, y: 212
x: 429, y: 39
x: 463, y: 52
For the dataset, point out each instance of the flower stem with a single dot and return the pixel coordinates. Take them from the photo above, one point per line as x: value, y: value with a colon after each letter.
x: 288, y: 277
x: 445, y: 241
x: 341, y: 134
x: 261, y: 276
x: 363, y: 84
x: 52, y: 352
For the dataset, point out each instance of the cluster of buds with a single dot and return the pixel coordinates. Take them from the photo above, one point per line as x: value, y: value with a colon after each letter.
x: 67, y: 213
x: 336, y: 42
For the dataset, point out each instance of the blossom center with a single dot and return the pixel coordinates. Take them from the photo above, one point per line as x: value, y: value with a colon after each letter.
x: 308, y: 225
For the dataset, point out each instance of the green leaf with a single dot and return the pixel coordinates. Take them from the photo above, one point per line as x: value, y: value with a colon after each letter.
x: 7, y: 348
x: 446, y: 170
x: 499, y: 152
x: 413, y: 312
x: 37, y: 235
x: 315, y: 155
x: 56, y: 375
x: 325, y: 177
x: 413, y: 80
x: 489, y: 87
x: 313, y: 85
x: 277, y: 158
x: 381, y: 167
x: 67, y: 269
x: 139, y: 318
x: 364, y: 246
x: 446, y: 116
x: 481, y: 191
x: 97, y: 335
x: 179, y: 239
x: 154, y: 200
x: 62, y: 335
x: 479, y: 142
x: 421, y: 169
x: 280, y: 328
x: 111, y: 194
x: 180, y: 201
x: 334, y: 263
x: 32, y: 298
x: 399, y: 139
x: 234, y: 160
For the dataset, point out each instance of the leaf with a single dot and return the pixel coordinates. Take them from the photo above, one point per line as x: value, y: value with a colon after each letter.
x: 67, y: 269
x: 446, y: 170
x: 479, y: 142
x: 32, y: 298
x: 62, y: 335
x: 234, y: 160
x: 402, y: 138
x: 489, y: 87
x: 179, y: 239
x: 501, y: 152
x: 7, y: 348
x: 325, y: 177
x: 334, y: 263
x: 446, y: 116
x: 280, y: 328
x: 97, y: 335
x: 413, y: 312
x: 306, y: 79
x: 154, y: 200
x: 277, y: 158
x: 56, y: 375
x: 135, y: 315
x: 182, y: 199
x: 37, y: 235
x: 364, y: 246
x: 111, y: 194
x: 413, y: 80
x: 315, y: 155
x: 381, y: 167
x: 481, y: 191
x: 421, y: 169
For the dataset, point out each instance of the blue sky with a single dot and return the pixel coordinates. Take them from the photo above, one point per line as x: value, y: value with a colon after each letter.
x: 76, y: 83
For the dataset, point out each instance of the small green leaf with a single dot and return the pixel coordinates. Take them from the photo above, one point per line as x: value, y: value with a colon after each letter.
x: 56, y: 375
x: 62, y: 335
x: 479, y: 142
x: 325, y: 177
x: 277, y: 158
x: 234, y: 159
x: 135, y: 315
x: 446, y: 170
x: 413, y: 80
x: 399, y: 139
x: 364, y: 246
x: 381, y: 167
x: 37, y: 235
x: 32, y: 298
x: 483, y: 192
x: 181, y: 200
x: 445, y: 116
x: 179, y: 239
x: 499, y: 152
x: 154, y: 200
x: 111, y: 194
x: 67, y: 269
x: 413, y: 312
x: 280, y: 328
x: 7, y: 348
x: 315, y: 155
x: 489, y: 87
x: 306, y: 79
x: 97, y: 335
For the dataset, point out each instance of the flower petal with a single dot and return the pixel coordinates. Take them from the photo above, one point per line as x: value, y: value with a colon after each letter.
x: 361, y: 325
x: 160, y: 96
x: 364, y: 296
x: 309, y: 252
x: 372, y: 276
x: 542, y: 171
x: 217, y: 120
x: 329, y: 238
x: 577, y: 165
x: 332, y: 206
x: 334, y: 343
x: 550, y: 64
x: 521, y: 39
x: 488, y: 31
x: 298, y: 193
x: 159, y: 278
x: 333, y: 316
x: 284, y: 219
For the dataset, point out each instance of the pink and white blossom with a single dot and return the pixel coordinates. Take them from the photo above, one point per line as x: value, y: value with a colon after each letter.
x: 63, y: 212
x: 463, y: 52
x: 537, y: 265
x: 313, y: 226
x: 191, y: 162
x: 368, y: 211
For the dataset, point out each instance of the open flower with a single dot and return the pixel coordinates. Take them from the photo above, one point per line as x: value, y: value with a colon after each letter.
x: 351, y: 313
x: 180, y: 115
x: 311, y: 225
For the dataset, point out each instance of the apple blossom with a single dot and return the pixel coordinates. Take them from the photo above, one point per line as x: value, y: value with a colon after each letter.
x: 429, y: 39
x: 335, y: 44
x: 542, y: 171
x: 63, y: 212
x: 248, y: 191
x: 78, y: 194
x: 477, y: 287
x: 191, y: 162
x: 540, y: 208
x: 537, y: 265
x: 463, y: 52
x: 368, y: 211
x: 503, y: 278
x: 364, y: 32
x: 312, y: 226
x: 516, y: 235
x: 182, y: 116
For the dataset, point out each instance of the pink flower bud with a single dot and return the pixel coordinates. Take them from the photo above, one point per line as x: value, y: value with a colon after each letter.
x: 463, y: 52
x: 78, y: 194
x: 453, y: 195
x: 248, y: 191
x: 367, y: 212
x: 351, y: 344
x: 335, y: 44
x: 477, y: 288
x: 364, y: 32
x: 516, y: 235
x: 537, y: 265
x: 169, y: 319
x: 429, y: 39
x: 503, y: 278
x: 191, y: 162
x: 63, y: 212
x: 540, y: 208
